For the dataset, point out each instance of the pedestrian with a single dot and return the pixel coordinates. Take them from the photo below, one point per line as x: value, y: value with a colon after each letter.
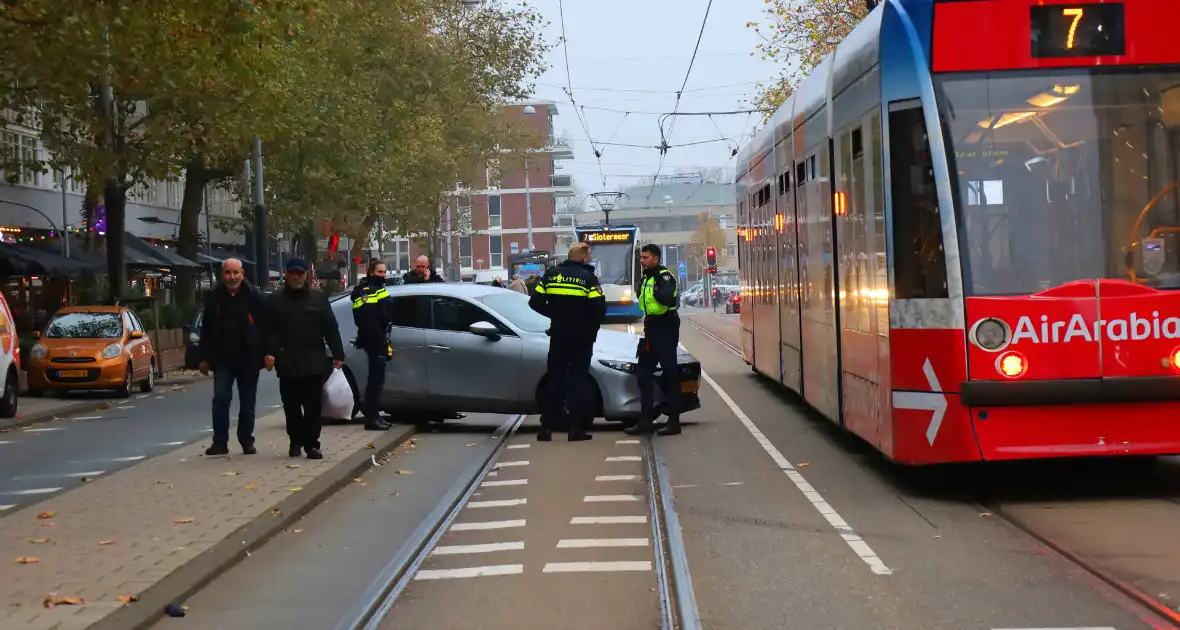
x: 232, y: 345
x: 372, y: 311
x: 571, y: 297
x: 303, y: 330
x: 496, y: 282
x: 530, y: 285
x: 658, y: 299
x: 421, y: 272
x: 518, y: 285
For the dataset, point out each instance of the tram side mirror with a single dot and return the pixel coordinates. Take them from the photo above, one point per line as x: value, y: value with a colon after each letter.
x: 484, y: 329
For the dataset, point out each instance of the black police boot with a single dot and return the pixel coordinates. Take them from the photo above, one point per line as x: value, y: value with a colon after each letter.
x: 643, y: 427
x: 672, y: 427
x: 294, y: 450
x: 377, y: 424
x: 544, y: 435
x: 579, y: 436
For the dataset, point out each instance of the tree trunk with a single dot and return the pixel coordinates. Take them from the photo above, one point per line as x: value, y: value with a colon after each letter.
x: 188, y: 239
x: 90, y: 213
x: 115, y: 200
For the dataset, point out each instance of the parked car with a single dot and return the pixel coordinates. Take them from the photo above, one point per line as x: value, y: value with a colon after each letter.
x: 478, y: 349
x: 734, y: 304
x: 91, y: 348
x: 9, y: 362
x: 192, y: 340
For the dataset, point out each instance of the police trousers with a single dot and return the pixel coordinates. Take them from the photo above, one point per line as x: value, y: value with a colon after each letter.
x: 660, y: 348
x: 568, y: 378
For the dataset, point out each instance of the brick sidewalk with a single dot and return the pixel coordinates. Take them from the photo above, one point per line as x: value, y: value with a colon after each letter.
x: 121, y: 534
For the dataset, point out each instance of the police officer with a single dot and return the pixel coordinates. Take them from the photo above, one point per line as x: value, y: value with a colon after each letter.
x: 571, y: 297
x: 658, y: 298
x: 372, y: 311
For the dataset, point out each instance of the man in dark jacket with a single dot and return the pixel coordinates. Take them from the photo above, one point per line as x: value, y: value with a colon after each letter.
x: 571, y: 297
x: 232, y: 346
x: 658, y: 299
x: 372, y: 311
x: 301, y: 324
x: 421, y: 272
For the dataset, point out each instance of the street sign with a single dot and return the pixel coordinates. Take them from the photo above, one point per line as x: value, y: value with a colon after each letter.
x: 514, y: 248
x: 682, y: 266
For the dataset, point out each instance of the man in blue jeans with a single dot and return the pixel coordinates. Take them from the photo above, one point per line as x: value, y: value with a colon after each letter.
x: 233, y: 345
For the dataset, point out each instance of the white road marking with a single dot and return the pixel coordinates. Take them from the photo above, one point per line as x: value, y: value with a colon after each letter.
x: 583, y: 543
x: 611, y: 498
x: 854, y: 541
x: 156, y: 397
x: 687, y: 485
x: 625, y: 458
x: 206, y: 430
x: 596, y: 567
x: 467, y: 527
x: 506, y: 482
x: 519, y: 445
x: 6, y: 507
x: 488, y: 548
x: 617, y: 478
x: 505, y: 503
x: 130, y: 458
x: 626, y: 441
x: 88, y: 418
x: 25, y: 493
x: 608, y: 520
x: 493, y: 474
x: 126, y: 407
x: 176, y: 443
x: 510, y: 464
x: 5, y: 441
x: 92, y: 473
x: 43, y: 430
x: 449, y: 574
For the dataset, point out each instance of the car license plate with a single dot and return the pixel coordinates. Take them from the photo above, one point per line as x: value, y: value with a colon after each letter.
x: 689, y: 387
x: 71, y: 373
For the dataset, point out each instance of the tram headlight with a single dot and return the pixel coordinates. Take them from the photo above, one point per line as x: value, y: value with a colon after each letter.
x: 1175, y: 358
x: 1012, y: 364
x: 991, y: 334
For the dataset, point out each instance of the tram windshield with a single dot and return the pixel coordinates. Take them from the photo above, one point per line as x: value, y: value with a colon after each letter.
x: 615, y: 262
x: 1065, y: 175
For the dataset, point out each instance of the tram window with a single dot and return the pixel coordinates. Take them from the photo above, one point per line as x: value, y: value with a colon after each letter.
x: 800, y: 174
x: 919, y: 260
x: 880, y: 270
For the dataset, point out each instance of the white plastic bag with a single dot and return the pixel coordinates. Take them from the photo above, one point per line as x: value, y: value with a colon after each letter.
x: 338, y: 401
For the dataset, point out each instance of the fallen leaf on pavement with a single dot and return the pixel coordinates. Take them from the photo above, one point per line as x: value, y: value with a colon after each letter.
x: 403, y: 472
x: 52, y: 600
x: 804, y: 464
x: 276, y: 512
x: 27, y: 560
x: 985, y: 513
x: 230, y: 474
x: 127, y: 599
x: 38, y: 541
x: 358, y: 480
x: 106, y: 542
x: 370, y: 445
x: 251, y: 486
x: 292, y: 465
x: 184, y: 521
x: 296, y: 489
x: 395, y: 494
x: 374, y: 458
x: 46, y: 514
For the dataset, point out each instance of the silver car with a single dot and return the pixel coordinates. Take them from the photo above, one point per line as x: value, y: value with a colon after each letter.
x: 481, y: 349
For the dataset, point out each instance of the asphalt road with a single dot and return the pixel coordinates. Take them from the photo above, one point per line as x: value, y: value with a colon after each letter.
x: 39, y: 461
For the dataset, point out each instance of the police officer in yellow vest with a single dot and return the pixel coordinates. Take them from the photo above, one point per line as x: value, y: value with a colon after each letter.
x: 372, y: 311
x: 571, y: 297
x: 658, y: 298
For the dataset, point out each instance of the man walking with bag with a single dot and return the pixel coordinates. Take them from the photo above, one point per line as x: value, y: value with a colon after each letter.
x: 301, y: 328
x: 232, y: 346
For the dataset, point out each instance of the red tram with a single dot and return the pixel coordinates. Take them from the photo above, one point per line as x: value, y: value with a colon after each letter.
x: 960, y: 238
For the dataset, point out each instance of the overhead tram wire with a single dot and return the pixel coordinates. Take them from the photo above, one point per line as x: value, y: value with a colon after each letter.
x: 676, y: 106
x: 732, y: 156
x: 569, y: 89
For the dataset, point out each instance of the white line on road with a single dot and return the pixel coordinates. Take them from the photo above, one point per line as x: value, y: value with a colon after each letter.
x: 447, y: 574
x: 519, y: 445
x: 488, y: 548
x: 157, y: 397
x: 43, y: 430
x: 130, y: 458
x: 176, y: 443
x: 625, y: 458
x: 5, y: 441
x: 489, y: 504
x: 6, y: 507
x: 595, y: 567
x: 626, y: 441
x: 92, y: 473
x: 126, y: 407
x: 611, y: 498
x: 25, y: 493
x: 510, y: 464
x: 854, y: 541
x: 506, y: 482
x: 583, y: 543
x: 88, y: 418
x: 467, y: 527
x: 617, y: 478
x: 608, y: 520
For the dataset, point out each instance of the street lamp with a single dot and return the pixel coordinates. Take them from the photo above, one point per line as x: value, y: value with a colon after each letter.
x: 528, y: 110
x: 64, y: 238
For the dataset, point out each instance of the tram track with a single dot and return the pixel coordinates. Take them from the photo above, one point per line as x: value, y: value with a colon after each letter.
x: 1156, y: 613
x: 678, y: 609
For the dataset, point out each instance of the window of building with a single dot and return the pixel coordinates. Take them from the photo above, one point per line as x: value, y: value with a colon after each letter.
x: 920, y: 264
x: 465, y: 252
x: 494, y: 212
x: 398, y: 252
x: 23, y: 149
x: 496, y: 250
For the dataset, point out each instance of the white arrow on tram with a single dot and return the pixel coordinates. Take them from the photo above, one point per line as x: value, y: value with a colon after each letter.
x: 933, y: 401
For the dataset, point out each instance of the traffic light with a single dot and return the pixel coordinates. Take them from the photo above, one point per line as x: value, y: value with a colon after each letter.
x: 711, y: 257
x: 712, y: 269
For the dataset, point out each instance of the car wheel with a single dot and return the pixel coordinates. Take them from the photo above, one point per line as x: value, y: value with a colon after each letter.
x: 125, y: 390
x: 9, y: 401
x: 150, y: 383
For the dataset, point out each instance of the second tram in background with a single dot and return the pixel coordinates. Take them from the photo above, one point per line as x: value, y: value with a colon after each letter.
x: 960, y: 237
x: 614, y: 252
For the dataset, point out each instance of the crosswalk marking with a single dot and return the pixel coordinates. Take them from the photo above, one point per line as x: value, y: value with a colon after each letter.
x: 625, y: 458
x: 490, y: 504
x: 617, y: 478
x: 584, y: 543
x: 505, y: 482
x: 596, y: 567
x: 611, y: 498
x: 608, y: 520
x: 466, y: 527
x: 470, y: 572
x: 486, y: 548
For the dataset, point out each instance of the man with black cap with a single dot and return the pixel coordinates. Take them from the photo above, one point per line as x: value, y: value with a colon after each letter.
x: 301, y: 324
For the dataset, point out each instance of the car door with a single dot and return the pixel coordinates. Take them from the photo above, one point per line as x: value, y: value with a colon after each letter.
x: 143, y: 360
x: 135, y: 347
x: 468, y: 372
x: 405, y: 372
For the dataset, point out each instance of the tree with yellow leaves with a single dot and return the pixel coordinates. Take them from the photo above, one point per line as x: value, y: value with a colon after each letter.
x: 708, y: 234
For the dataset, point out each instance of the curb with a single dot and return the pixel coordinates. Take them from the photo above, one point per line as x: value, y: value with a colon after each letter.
x: 65, y: 411
x: 200, y: 571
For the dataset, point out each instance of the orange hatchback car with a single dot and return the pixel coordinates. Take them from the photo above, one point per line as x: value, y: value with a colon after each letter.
x: 92, y: 347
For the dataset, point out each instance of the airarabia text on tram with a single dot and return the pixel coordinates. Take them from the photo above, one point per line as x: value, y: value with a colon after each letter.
x: 1077, y: 328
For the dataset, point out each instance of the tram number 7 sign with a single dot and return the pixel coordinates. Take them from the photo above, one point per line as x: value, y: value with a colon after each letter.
x: 933, y: 401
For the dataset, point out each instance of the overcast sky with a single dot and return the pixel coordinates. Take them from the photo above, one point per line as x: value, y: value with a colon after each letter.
x: 632, y: 56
